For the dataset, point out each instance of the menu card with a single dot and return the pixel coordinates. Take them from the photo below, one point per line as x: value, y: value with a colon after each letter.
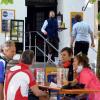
x: 62, y: 76
x: 39, y: 75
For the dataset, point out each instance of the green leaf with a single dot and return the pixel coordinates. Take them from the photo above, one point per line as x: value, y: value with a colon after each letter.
x: 10, y: 1
x: 7, y: 2
x: 92, y: 1
x: 98, y: 16
x: 4, y: 2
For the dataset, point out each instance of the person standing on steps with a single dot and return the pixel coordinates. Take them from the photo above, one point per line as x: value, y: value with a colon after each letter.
x: 50, y: 28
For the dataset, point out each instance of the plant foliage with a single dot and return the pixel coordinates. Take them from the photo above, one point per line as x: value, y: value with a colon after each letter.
x: 7, y: 2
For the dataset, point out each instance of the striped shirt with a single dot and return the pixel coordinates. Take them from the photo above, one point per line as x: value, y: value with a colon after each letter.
x: 17, y: 82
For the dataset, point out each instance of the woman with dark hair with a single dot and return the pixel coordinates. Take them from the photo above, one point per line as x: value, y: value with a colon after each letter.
x: 66, y: 61
x: 86, y: 76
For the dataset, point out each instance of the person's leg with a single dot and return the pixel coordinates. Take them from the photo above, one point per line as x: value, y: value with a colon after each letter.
x: 56, y: 45
x: 1, y: 91
x: 77, y: 48
x: 85, y: 48
x: 49, y: 56
x: 50, y: 50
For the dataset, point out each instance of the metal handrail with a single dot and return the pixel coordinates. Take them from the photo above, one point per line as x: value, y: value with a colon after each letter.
x: 44, y: 39
x: 36, y: 47
x: 43, y: 53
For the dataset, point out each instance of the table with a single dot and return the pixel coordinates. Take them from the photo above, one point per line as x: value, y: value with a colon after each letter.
x: 67, y: 91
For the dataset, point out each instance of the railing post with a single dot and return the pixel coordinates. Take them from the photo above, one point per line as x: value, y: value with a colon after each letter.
x: 46, y: 42
x: 44, y: 52
x: 45, y: 58
x: 24, y: 41
x: 35, y: 48
x: 29, y: 40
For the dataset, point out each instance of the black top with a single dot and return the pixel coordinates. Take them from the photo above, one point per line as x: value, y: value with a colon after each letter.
x: 52, y: 28
x: 70, y: 73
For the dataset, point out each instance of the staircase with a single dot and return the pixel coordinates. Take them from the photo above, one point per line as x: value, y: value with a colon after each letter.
x: 36, y: 47
x: 51, y: 67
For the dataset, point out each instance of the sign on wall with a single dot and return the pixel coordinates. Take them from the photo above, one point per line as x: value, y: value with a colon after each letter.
x: 72, y: 18
x: 6, y: 16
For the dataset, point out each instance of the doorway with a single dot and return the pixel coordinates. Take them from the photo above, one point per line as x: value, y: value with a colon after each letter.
x: 34, y: 22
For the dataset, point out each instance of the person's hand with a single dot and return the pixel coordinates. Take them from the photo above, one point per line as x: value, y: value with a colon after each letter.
x: 45, y: 33
x: 44, y: 92
x: 45, y: 96
x: 92, y: 45
x: 66, y: 82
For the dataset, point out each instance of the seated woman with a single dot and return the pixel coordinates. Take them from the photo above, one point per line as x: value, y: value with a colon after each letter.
x: 66, y: 61
x: 86, y: 76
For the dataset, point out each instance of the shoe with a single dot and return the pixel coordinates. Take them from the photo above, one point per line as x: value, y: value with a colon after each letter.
x: 49, y: 61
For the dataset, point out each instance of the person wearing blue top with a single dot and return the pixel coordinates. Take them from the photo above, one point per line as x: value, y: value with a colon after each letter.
x: 50, y: 28
x: 81, y: 34
x: 8, y: 51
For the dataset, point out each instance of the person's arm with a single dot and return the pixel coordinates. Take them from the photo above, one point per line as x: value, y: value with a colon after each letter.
x: 71, y: 82
x: 44, y: 27
x: 92, y: 37
x: 74, y: 81
x: 2, y: 72
x: 72, y: 40
x: 34, y: 88
x: 73, y: 36
x: 37, y: 92
x: 92, y: 40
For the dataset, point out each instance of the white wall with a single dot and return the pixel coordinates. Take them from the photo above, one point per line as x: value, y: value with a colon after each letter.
x: 67, y: 6
x: 20, y: 13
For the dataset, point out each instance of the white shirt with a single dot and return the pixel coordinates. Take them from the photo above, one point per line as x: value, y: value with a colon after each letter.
x: 81, y: 31
x: 44, y: 26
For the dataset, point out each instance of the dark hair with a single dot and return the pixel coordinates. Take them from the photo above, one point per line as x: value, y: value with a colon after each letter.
x: 67, y: 49
x: 78, y: 18
x: 83, y: 59
x: 27, y: 57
